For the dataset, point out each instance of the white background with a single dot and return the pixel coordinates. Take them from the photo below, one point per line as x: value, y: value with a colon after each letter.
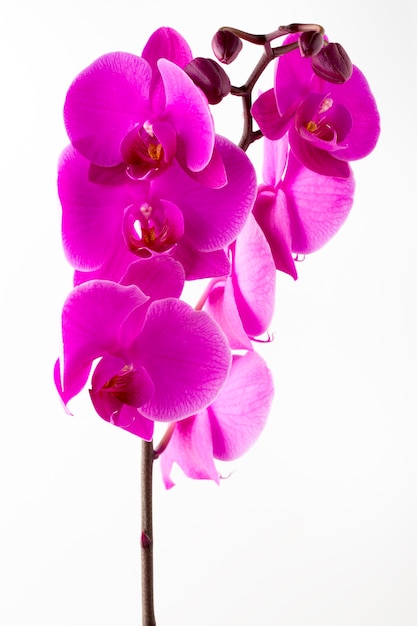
x: 317, y: 524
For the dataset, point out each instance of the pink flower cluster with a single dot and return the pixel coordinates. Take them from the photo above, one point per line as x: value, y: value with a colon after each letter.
x: 151, y: 197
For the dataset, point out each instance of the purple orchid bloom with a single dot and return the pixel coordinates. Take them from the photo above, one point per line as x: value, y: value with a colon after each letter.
x: 298, y: 210
x: 227, y: 428
x: 328, y: 124
x: 107, y: 226
x: 243, y: 303
x: 160, y: 360
x: 143, y: 113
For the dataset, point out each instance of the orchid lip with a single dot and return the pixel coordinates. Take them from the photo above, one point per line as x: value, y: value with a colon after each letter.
x: 155, y: 227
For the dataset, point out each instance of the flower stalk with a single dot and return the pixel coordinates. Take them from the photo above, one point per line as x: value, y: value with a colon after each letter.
x: 148, y: 613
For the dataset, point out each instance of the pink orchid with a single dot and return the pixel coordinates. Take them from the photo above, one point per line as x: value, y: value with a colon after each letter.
x: 160, y: 360
x: 227, y: 428
x: 107, y: 226
x: 328, y: 124
x: 143, y: 113
x: 298, y: 210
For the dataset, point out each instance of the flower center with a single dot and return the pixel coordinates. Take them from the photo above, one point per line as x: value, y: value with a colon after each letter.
x: 142, y: 152
x: 155, y: 227
x: 119, y: 385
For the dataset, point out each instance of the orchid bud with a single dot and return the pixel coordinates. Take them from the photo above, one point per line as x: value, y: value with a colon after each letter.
x: 226, y: 46
x: 332, y: 63
x: 210, y: 77
x: 310, y: 43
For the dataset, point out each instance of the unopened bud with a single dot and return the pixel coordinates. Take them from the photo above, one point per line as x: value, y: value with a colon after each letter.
x: 310, y: 42
x: 332, y: 63
x: 210, y: 77
x: 226, y: 46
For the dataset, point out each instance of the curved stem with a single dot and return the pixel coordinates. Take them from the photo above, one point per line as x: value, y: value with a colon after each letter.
x: 148, y: 615
x: 245, y: 92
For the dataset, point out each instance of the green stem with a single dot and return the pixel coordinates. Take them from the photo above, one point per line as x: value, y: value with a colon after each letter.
x: 148, y: 615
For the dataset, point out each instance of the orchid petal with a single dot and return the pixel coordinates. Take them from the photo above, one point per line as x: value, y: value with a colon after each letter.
x: 114, y: 267
x: 89, y: 212
x: 93, y: 320
x: 357, y: 97
x: 221, y: 306
x: 213, y: 217
x: 253, y: 279
x: 159, y: 277
x: 187, y: 110
x: 239, y: 414
x: 293, y: 76
x: 320, y: 161
x: 186, y: 355
x: 164, y: 43
x: 104, y: 103
x: 275, y: 160
x: 266, y: 114
x: 108, y: 396
x: 191, y: 448
x: 271, y: 210
x: 317, y: 205
x: 213, y: 175
x: 199, y: 264
x: 167, y: 43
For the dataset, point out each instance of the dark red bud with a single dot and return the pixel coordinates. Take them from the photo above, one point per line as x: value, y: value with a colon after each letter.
x: 226, y: 46
x: 310, y: 42
x: 210, y: 77
x: 332, y: 63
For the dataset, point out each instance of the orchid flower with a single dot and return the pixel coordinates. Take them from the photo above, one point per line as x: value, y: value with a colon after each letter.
x: 107, y: 226
x: 227, y: 428
x: 298, y: 209
x: 140, y: 114
x: 328, y: 124
x: 160, y: 360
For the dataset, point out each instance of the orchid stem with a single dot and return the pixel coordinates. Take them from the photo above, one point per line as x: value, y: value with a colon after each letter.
x: 148, y: 615
x: 245, y: 92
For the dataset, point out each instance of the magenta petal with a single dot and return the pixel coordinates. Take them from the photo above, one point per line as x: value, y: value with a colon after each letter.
x: 240, y: 412
x: 118, y: 259
x: 221, y: 306
x: 317, y: 205
x: 266, y: 114
x: 91, y: 213
x: 186, y: 355
x: 164, y: 43
x: 188, y: 112
x: 167, y: 43
x: 330, y: 122
x: 104, y: 103
x: 191, y: 448
x: 199, y: 264
x: 115, y: 384
x: 95, y: 320
x: 213, y: 217
x: 117, y: 391
x: 357, y: 97
x: 293, y: 76
x: 253, y: 279
x: 274, y: 161
x: 317, y: 160
x: 158, y: 277
x: 134, y: 422
x: 214, y: 175
x: 271, y: 213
